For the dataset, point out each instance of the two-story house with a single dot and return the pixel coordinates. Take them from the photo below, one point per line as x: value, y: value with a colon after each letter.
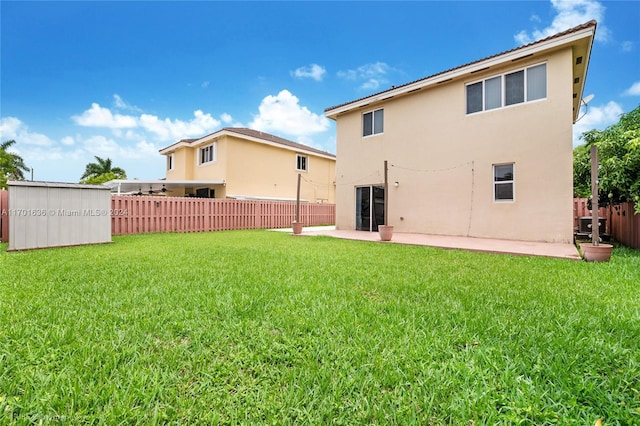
x: 480, y: 150
x: 248, y: 164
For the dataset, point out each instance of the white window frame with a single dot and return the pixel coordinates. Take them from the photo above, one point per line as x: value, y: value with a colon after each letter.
x: 503, y: 87
x: 212, y: 148
x: 511, y: 182
x: 170, y: 162
x: 373, y: 123
x: 305, y: 160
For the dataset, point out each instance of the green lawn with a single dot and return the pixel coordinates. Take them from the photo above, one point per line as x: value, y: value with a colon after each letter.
x: 260, y: 327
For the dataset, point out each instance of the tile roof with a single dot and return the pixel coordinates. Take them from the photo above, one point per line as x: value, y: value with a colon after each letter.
x: 256, y: 134
x: 589, y: 24
x: 275, y: 139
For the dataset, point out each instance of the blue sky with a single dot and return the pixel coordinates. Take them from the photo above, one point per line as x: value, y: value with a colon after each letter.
x: 124, y: 79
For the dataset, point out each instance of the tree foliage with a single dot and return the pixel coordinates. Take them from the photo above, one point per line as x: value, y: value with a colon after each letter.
x: 102, y: 171
x: 12, y: 166
x: 618, y: 158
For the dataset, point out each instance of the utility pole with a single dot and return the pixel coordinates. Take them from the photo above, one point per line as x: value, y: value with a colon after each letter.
x: 298, y: 200
x: 386, y: 193
x: 595, y: 219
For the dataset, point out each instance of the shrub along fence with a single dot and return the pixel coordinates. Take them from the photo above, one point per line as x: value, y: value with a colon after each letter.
x: 622, y: 224
x: 134, y: 215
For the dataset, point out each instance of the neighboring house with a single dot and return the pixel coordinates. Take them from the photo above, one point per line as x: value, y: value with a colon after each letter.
x: 481, y: 150
x: 247, y: 164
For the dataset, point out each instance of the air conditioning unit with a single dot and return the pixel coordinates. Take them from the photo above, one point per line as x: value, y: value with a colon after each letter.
x: 585, y: 225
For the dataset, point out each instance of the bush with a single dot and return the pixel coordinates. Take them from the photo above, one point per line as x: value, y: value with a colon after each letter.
x: 618, y: 158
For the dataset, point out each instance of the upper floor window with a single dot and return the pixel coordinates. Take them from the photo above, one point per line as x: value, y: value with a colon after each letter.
x: 170, y: 162
x: 503, y: 182
x: 373, y: 122
x: 302, y: 163
x: 207, y: 154
x: 516, y: 87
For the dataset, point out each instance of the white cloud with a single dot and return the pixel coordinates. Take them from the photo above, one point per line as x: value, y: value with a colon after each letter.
x: 65, y: 159
x: 13, y: 128
x: 569, y: 14
x: 313, y: 71
x: 168, y: 129
x: 98, y: 116
x: 120, y: 103
x: 164, y: 129
x: 105, y: 147
x: 371, y: 84
x: 204, y: 84
x: 67, y: 140
x: 9, y: 127
x: 131, y: 140
x: 226, y: 118
x: 634, y: 90
x: 101, y: 146
x: 283, y: 114
x: 596, y: 118
x: 372, y: 75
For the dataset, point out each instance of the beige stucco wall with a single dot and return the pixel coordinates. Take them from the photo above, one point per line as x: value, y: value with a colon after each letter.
x: 267, y: 171
x: 443, y: 160
x: 183, y: 162
x: 254, y: 169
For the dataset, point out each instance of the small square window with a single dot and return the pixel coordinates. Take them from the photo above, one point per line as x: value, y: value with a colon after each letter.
x: 373, y: 122
x: 503, y: 182
x: 514, y: 88
x: 301, y: 163
x: 474, y: 97
x: 207, y: 154
x: 493, y: 93
x: 537, y: 82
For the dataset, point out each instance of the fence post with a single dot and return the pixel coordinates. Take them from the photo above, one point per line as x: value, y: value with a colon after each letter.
x: 4, y: 216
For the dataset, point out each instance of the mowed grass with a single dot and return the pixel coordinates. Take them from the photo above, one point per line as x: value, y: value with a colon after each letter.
x: 259, y: 327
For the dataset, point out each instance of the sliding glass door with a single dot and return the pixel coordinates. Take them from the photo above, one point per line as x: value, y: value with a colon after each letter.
x: 369, y: 208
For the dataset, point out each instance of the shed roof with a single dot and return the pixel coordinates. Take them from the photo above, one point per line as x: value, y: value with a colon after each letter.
x: 46, y: 184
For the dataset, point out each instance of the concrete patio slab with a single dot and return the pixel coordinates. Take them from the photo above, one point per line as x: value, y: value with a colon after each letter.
x: 485, y: 245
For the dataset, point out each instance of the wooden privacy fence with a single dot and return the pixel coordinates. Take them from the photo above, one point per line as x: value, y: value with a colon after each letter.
x: 135, y: 215
x: 622, y: 224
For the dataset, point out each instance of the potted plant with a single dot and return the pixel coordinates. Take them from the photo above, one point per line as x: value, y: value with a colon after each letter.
x: 386, y: 232
x: 595, y: 251
x: 297, y: 227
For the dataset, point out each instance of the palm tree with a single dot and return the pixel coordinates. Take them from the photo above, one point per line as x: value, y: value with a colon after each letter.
x: 102, y: 171
x: 12, y: 166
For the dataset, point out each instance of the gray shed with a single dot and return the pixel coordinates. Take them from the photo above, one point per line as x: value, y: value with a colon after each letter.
x: 53, y: 214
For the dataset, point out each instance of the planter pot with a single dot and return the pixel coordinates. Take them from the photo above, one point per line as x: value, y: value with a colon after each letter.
x: 599, y: 253
x: 386, y: 232
x: 297, y: 227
